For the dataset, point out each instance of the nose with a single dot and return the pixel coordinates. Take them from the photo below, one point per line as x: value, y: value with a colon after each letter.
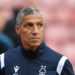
x: 35, y: 30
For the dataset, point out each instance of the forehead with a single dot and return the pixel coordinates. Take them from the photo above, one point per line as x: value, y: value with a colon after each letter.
x: 32, y: 18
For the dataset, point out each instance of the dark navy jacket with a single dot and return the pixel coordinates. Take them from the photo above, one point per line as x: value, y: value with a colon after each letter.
x: 20, y: 61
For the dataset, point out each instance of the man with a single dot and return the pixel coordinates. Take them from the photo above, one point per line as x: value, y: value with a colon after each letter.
x: 33, y: 57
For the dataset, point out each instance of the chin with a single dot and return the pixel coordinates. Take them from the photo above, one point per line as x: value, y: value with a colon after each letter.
x: 36, y: 44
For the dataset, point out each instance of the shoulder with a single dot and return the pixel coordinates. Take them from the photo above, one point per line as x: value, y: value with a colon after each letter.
x: 63, y: 63
x: 13, y: 51
x: 9, y: 55
x: 68, y: 69
x: 52, y: 54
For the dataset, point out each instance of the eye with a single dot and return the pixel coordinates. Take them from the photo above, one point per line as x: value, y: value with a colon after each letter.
x: 40, y: 24
x: 29, y: 25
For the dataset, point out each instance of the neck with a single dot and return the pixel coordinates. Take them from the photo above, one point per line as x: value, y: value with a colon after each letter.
x: 29, y: 52
x: 32, y: 49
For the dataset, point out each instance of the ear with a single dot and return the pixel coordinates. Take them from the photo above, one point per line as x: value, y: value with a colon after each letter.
x: 17, y: 29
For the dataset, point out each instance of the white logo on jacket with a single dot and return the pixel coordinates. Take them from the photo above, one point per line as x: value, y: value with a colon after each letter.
x: 42, y: 70
x: 16, y: 68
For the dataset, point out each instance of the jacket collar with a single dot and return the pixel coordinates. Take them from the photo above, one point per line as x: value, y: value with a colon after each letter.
x: 29, y: 54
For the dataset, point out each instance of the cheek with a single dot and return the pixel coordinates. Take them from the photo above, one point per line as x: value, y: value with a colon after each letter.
x: 42, y: 34
x: 25, y: 35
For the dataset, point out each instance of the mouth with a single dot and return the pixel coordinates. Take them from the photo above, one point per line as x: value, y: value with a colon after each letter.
x: 35, y: 39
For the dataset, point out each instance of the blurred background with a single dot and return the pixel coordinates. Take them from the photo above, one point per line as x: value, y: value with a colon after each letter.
x: 59, y: 21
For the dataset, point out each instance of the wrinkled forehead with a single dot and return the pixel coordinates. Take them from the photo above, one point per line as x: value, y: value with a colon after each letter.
x: 32, y: 19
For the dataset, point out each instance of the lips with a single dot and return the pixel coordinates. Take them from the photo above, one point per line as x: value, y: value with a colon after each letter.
x: 35, y: 38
